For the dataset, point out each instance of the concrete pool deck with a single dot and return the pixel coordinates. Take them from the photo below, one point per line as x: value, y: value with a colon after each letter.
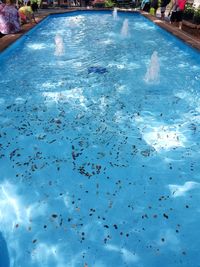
x: 7, y: 40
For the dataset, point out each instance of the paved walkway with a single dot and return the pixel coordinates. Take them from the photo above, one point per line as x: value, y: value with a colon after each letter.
x: 190, y: 39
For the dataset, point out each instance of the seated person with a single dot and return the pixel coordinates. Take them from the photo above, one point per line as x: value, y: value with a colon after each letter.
x: 26, y: 13
x: 9, y: 18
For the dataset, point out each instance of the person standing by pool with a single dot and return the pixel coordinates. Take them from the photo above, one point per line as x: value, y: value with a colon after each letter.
x: 145, y: 5
x: 177, y: 8
x: 154, y: 7
x: 34, y: 6
x: 9, y: 18
x: 163, y: 6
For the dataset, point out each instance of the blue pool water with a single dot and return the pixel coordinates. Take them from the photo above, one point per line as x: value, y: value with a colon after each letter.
x: 99, y: 167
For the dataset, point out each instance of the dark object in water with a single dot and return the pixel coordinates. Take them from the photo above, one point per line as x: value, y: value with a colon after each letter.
x: 97, y: 69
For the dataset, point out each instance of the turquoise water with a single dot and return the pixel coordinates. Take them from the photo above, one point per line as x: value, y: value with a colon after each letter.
x: 99, y: 167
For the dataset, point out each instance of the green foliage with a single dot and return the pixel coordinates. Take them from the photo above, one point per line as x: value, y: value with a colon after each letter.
x: 188, y: 12
x: 197, y: 12
x: 109, y: 3
x: 36, y: 1
x: 196, y: 18
x: 189, y: 9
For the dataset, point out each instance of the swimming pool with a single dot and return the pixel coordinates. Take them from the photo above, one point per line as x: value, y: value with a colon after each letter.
x: 99, y: 163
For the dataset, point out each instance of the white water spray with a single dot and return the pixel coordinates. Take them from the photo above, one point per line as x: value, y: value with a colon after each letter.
x: 153, y: 72
x: 124, y: 30
x: 59, y: 45
x: 115, y: 14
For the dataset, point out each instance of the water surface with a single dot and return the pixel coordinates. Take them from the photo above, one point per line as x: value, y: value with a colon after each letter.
x: 99, y: 168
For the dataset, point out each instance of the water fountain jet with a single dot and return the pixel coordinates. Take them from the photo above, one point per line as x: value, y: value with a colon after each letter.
x: 59, y: 45
x: 115, y: 14
x: 153, y: 72
x: 124, y: 30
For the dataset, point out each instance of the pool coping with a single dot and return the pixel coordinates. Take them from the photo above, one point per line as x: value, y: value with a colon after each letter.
x: 7, y: 40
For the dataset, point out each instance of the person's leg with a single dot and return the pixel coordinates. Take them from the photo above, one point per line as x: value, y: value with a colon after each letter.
x: 179, y: 19
x: 163, y: 12
x: 173, y: 17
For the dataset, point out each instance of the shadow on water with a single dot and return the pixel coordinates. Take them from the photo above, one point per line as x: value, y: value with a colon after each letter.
x: 4, y: 257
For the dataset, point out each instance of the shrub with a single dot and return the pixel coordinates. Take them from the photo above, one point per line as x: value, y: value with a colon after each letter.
x: 188, y: 12
x: 109, y: 3
x: 196, y: 17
